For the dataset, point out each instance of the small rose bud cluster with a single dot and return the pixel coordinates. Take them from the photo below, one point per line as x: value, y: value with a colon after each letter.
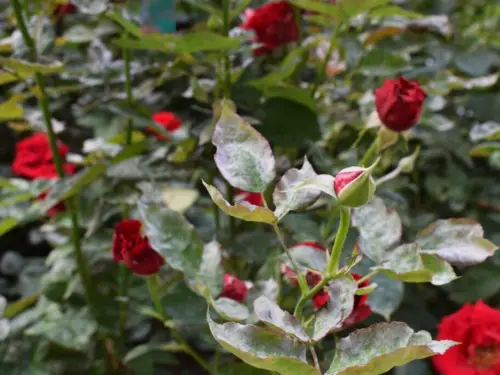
x: 234, y: 288
x: 361, y: 310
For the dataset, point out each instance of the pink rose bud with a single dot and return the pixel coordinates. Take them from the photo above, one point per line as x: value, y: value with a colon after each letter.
x: 354, y: 186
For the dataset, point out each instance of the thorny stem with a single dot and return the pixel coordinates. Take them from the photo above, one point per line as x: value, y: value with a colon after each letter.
x: 72, y: 203
x: 307, y: 296
x: 155, y: 297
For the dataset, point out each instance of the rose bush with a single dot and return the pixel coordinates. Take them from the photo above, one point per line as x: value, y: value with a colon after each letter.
x: 283, y: 187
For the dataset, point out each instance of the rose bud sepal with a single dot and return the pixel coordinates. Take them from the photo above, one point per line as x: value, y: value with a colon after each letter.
x: 355, y: 186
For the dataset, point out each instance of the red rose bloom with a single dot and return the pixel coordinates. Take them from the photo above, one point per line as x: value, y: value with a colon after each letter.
x: 252, y: 198
x: 63, y: 9
x: 399, y: 103
x: 54, y: 210
x: 168, y: 121
x: 477, y: 328
x: 134, y: 249
x: 273, y: 25
x: 34, y: 158
x: 233, y: 288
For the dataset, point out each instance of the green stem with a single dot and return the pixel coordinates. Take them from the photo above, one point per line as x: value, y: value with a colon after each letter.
x: 307, y: 296
x: 124, y: 274
x: 370, y: 153
x: 227, y: 61
x: 321, y: 74
x: 155, y: 297
x: 18, y: 12
x: 43, y: 101
x: 369, y: 276
x: 232, y: 223
x: 300, y: 277
x: 338, y: 245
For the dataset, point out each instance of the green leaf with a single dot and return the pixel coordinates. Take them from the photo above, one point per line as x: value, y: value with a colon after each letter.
x: 27, y: 69
x: 173, y: 237
x: 262, y: 348
x: 381, y: 347
x: 241, y: 369
x: 289, y: 122
x: 340, y: 11
x: 337, y: 309
x: 129, y: 27
x: 478, y: 282
x: 489, y: 130
x: 458, y: 241
x: 484, y: 149
x: 188, y: 43
x: 379, y: 228
x: 230, y: 309
x: 208, y: 281
x: 388, y: 295
x: 307, y: 258
x: 407, y: 264
x: 279, y: 320
x: 294, y: 94
x: 243, y: 211
x: 285, y: 70
x: 244, y: 157
x: 92, y: 7
x: 7, y: 224
x: 287, y: 199
x: 11, y: 109
x: 73, y: 329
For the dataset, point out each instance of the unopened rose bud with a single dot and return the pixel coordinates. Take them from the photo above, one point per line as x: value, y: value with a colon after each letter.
x: 354, y: 186
x: 399, y: 103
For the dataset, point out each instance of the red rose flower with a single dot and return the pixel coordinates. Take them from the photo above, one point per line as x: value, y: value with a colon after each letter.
x: 273, y: 25
x: 168, y: 121
x: 54, y: 210
x: 477, y: 327
x: 252, y: 198
x: 134, y: 249
x: 399, y: 103
x: 233, y: 288
x: 34, y: 158
x: 63, y: 9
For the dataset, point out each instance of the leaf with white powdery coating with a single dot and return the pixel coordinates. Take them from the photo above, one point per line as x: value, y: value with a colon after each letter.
x: 230, y: 309
x: 244, y: 157
x: 379, y: 228
x: 337, y: 309
x: 306, y: 257
x: 381, y: 347
x: 408, y: 264
x: 282, y: 321
x: 173, y: 237
x: 244, y: 211
x: 286, y: 199
x: 457, y: 241
x: 262, y: 348
x: 208, y: 281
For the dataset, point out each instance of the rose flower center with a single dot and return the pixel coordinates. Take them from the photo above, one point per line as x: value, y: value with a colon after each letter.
x: 485, y: 357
